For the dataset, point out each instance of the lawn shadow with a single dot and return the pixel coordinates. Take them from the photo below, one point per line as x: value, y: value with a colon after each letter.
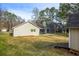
x: 42, y: 44
x: 59, y: 45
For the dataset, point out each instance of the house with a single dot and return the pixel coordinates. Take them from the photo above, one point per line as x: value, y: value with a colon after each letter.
x: 27, y: 28
x: 3, y: 30
x: 73, y: 25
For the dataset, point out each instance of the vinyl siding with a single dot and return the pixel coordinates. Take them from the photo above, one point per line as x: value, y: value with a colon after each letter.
x: 74, y: 38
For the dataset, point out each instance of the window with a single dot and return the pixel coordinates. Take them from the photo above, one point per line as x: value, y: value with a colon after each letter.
x: 33, y: 30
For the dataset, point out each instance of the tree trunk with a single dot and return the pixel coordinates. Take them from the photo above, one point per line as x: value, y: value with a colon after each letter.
x: 45, y: 30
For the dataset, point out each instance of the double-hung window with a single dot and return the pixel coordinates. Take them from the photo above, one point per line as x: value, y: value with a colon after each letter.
x: 33, y: 30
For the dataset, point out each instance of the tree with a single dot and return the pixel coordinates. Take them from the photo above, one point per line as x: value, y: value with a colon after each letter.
x: 65, y: 9
x: 8, y: 19
x: 46, y: 16
x: 52, y: 11
x: 35, y: 13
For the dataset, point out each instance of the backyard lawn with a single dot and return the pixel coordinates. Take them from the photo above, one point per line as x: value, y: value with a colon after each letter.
x: 32, y: 45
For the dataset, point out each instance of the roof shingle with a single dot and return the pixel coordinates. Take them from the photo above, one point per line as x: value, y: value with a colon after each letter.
x: 73, y: 21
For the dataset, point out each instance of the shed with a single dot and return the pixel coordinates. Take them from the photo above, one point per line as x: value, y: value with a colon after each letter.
x: 73, y: 25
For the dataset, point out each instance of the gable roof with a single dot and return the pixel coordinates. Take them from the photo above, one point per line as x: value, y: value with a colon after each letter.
x: 73, y: 21
x: 34, y: 24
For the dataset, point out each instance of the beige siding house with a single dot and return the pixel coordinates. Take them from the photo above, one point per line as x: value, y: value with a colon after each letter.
x: 26, y: 29
x: 3, y: 30
x: 73, y: 25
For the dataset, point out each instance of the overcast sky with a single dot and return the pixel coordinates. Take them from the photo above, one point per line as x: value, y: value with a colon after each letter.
x: 24, y: 10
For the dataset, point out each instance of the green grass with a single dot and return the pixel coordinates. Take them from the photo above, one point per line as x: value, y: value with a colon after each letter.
x: 31, y: 45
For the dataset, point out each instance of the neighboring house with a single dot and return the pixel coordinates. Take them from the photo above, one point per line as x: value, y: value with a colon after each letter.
x: 55, y: 27
x: 73, y: 25
x: 27, y: 28
x: 3, y: 30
